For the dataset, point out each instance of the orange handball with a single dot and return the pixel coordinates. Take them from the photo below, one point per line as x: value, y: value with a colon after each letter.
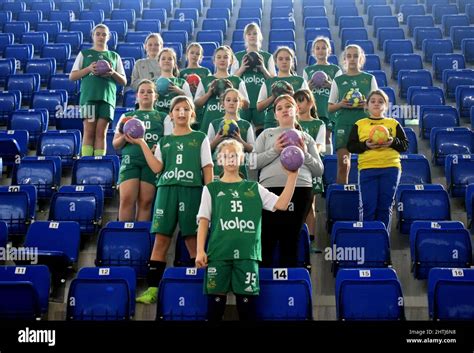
x: 379, y: 134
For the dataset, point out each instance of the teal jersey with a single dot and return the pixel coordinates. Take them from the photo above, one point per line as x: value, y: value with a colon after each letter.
x: 321, y: 95
x: 200, y: 71
x: 96, y: 88
x: 253, y: 79
x: 181, y: 157
x: 236, y: 221
x: 163, y: 103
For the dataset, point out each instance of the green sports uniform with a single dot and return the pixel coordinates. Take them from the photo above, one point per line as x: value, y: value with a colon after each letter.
x: 296, y: 81
x: 163, y: 103
x: 312, y: 127
x: 244, y: 127
x: 321, y: 95
x: 201, y: 72
x: 346, y: 118
x: 234, y: 247
x: 134, y: 165
x: 98, y: 94
x: 253, y: 81
x: 180, y: 183
x: 213, y: 108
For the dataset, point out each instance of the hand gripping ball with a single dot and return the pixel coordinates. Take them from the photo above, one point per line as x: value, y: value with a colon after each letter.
x: 379, y: 134
x: 135, y: 128
x: 292, y: 158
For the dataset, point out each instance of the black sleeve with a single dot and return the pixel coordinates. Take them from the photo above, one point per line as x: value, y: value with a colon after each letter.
x: 400, y: 141
x: 354, y: 145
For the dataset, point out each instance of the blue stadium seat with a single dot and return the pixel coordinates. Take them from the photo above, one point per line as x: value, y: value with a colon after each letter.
x: 451, y: 140
x: 469, y: 202
x: 411, y: 10
x: 455, y: 77
x: 386, y: 33
x: 104, y: 299
x: 372, y: 62
x: 436, y: 116
x: 472, y: 118
x: 412, y: 141
x: 340, y: 11
x: 238, y: 35
x: 280, y: 11
x: 397, y: 46
x: 136, y: 37
x: 209, y: 48
x: 123, y: 272
x: 285, y: 294
x: 33, y: 17
x: 444, y: 61
x: 210, y: 36
x: 5, y: 16
x: 135, y: 5
x: 330, y: 170
x: 314, y: 11
x: 63, y: 143
x: 420, y: 95
x: 422, y: 33
x: 316, y: 22
x: 97, y: 16
x: 126, y: 14
x: 35, y: 121
x: 13, y: 146
x: 5, y: 40
x: 17, y: 207
x: 427, y: 202
x: 42, y: 172
x: 9, y: 102
x: 18, y: 28
x: 3, y: 234
x: 250, y: 12
x: 7, y: 68
x: 431, y: 3
x: 163, y: 4
x: 467, y: 49
x: 436, y: 46
x: 50, y: 27
x: 342, y: 203
x: 380, y: 77
x: 414, y: 21
x: 385, y: 22
x: 46, y: 67
x: 227, y: 4
x: 50, y: 100
x: 182, y: 25
x: 148, y: 24
x: 448, y: 21
x: 73, y: 38
x: 450, y: 294
x: 459, y: 171
x: 24, y: 291
x: 80, y: 203
x: 45, y: 7
x: 101, y: 171
x: 366, y: 45
x: 129, y: 99
x: 282, y: 35
x: 359, y: 245
x: 75, y: 6
x: 37, y: 39
x: 14, y: 7
x: 464, y: 95
x: 21, y: 52
x: 219, y: 24
x: 439, y: 10
x: 177, y: 47
x: 273, y: 46
x: 57, y: 245
x: 369, y: 294
x: 28, y: 84
x: 242, y: 22
x: 458, y: 33
x: 133, y: 50
x: 119, y: 26
x: 125, y: 244
x: 208, y: 63
x: 57, y: 21
x: 439, y: 244
x: 405, y: 62
x: 368, y: 3
x: 348, y: 34
x: 181, y: 296
x: 61, y: 52
x: 62, y: 82
x: 178, y: 37
x: 390, y: 92
x: 190, y: 4
x: 282, y: 23
x: 415, y: 169
x: 407, y: 78
x: 83, y: 26
x: 399, y: 3
x: 377, y: 10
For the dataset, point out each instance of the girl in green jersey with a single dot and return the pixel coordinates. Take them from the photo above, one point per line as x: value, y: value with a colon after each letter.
x: 233, y: 207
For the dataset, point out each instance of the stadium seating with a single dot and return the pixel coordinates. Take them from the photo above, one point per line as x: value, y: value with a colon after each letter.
x: 412, y: 142
x: 369, y: 294
x: 451, y: 140
x: 459, y: 171
x: 342, y: 203
x: 63, y: 143
x: 454, y: 77
x: 407, y: 78
x: 50, y: 100
x: 17, y: 207
x: 397, y: 46
x: 415, y: 169
x: 451, y: 293
x: 445, y: 61
x: 101, y: 171
x: 42, y: 172
x: 419, y: 96
x: 439, y: 244
x: 330, y: 170
x: 464, y: 95
x: 33, y: 120
x: 436, y: 46
x: 436, y: 116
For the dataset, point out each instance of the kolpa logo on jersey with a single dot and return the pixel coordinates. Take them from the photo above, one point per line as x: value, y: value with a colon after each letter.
x: 163, y: 103
x: 240, y: 224
x: 178, y: 174
x: 254, y: 79
x: 215, y: 107
x: 321, y: 91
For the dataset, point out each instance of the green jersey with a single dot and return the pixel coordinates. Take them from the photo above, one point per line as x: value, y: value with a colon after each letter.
x: 296, y: 81
x: 311, y: 127
x: 153, y: 121
x: 362, y: 82
x: 96, y: 88
x: 200, y: 71
x: 236, y: 217
x: 182, y: 158
x: 253, y: 79
x: 163, y: 103
x: 213, y: 108
x: 321, y: 95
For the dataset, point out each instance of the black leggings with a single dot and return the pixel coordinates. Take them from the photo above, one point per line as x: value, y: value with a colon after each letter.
x: 284, y: 227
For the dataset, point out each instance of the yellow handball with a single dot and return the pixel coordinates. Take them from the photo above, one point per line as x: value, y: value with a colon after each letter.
x: 379, y: 134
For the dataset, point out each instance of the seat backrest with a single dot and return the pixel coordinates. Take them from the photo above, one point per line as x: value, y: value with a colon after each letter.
x: 342, y: 203
x: 437, y: 116
x: 420, y: 95
x: 415, y: 169
x: 459, y: 171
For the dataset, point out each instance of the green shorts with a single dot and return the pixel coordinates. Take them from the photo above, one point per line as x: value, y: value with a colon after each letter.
x: 328, y: 122
x: 97, y: 109
x: 176, y: 204
x: 136, y: 168
x: 237, y: 276
x: 342, y: 132
x: 252, y: 115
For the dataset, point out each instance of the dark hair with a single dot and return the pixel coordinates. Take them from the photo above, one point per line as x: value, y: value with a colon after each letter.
x: 306, y: 94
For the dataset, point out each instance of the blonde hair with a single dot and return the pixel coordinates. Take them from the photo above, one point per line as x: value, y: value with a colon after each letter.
x: 196, y: 45
x: 239, y: 148
x: 101, y: 25
x: 361, y: 56
x: 175, y: 58
x: 289, y: 51
x: 325, y: 40
x: 254, y: 27
x: 157, y: 36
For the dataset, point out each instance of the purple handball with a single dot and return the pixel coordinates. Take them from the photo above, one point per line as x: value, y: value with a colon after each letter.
x: 292, y: 158
x: 135, y: 128
x: 292, y: 137
x: 102, y: 67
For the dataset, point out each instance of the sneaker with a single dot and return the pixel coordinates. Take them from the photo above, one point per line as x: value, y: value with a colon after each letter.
x: 149, y: 296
